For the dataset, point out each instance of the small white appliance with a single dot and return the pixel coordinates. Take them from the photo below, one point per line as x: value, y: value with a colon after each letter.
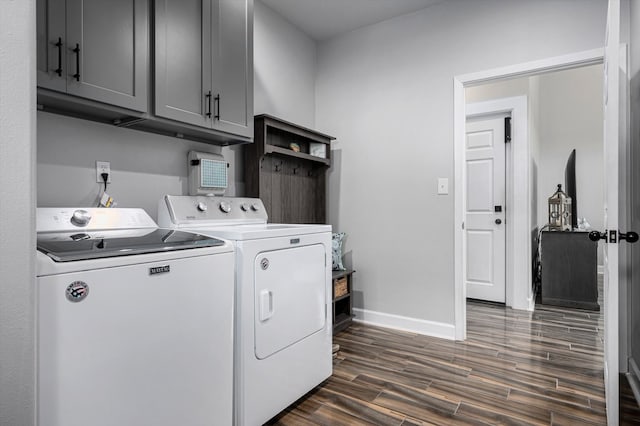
x: 135, y: 322
x: 283, y: 299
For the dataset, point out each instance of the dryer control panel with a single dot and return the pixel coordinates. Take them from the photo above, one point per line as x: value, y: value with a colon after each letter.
x: 210, y: 210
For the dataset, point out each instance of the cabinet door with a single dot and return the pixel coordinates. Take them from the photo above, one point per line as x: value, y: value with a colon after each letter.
x: 183, y: 61
x: 233, y: 67
x: 108, y: 51
x: 51, y: 51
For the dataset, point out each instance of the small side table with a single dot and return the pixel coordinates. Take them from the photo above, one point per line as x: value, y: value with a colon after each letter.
x: 342, y: 285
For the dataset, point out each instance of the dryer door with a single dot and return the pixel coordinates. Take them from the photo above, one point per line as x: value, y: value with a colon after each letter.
x: 290, y: 297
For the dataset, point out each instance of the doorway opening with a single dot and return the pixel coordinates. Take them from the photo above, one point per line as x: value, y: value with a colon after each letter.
x: 523, y: 182
x: 562, y: 112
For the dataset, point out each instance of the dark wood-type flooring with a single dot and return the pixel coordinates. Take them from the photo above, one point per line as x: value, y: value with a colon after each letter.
x: 516, y: 367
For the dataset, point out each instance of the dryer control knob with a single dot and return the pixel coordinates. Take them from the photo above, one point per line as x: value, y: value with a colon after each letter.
x: 255, y: 207
x: 225, y: 206
x: 244, y: 207
x: 81, y: 218
x: 202, y: 206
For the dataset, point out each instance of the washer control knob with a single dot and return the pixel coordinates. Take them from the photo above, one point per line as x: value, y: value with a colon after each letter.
x: 80, y: 218
x: 244, y: 207
x: 202, y: 207
x: 225, y: 206
x: 255, y: 207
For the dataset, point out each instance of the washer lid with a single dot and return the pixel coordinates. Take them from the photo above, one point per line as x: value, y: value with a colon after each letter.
x: 66, y: 247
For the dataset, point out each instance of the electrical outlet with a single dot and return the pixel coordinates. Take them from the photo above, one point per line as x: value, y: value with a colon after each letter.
x: 103, y: 167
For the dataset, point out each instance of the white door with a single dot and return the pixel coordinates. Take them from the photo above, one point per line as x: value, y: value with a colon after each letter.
x: 614, y: 130
x: 485, y: 208
x: 633, y: 219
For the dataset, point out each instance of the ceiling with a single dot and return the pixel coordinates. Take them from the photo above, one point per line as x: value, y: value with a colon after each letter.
x: 324, y: 19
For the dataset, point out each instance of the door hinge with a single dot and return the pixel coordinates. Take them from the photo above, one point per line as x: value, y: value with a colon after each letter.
x: 613, y: 236
x: 507, y: 129
x: 462, y: 225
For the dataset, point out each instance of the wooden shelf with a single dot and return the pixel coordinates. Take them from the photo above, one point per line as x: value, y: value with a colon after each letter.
x: 268, y: 149
x: 292, y: 185
x: 340, y: 274
x: 341, y: 322
x: 337, y: 299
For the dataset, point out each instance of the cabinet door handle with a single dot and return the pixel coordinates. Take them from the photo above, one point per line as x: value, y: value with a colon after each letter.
x: 59, y: 46
x: 217, y: 98
x: 208, y: 98
x: 77, y: 52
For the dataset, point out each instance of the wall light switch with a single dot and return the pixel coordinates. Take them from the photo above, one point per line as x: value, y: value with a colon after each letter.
x: 443, y: 185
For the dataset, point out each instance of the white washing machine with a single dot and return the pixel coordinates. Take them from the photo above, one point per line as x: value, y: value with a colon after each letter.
x: 283, y: 299
x: 135, y: 322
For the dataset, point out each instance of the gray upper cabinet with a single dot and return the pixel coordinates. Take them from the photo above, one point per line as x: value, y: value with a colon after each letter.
x: 183, y: 61
x: 95, y: 49
x: 233, y: 69
x: 51, y: 44
x: 204, y: 63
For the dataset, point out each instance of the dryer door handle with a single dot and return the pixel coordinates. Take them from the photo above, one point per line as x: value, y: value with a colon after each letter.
x: 266, y: 305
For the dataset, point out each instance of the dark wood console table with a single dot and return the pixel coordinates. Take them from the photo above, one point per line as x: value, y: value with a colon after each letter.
x: 569, y: 270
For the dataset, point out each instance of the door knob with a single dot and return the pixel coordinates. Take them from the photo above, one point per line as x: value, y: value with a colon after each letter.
x: 595, y: 235
x: 630, y: 237
x: 498, y: 221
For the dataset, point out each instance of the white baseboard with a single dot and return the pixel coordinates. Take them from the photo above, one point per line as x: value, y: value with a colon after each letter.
x: 413, y: 325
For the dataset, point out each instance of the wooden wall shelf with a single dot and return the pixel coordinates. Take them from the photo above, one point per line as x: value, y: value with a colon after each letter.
x: 291, y: 184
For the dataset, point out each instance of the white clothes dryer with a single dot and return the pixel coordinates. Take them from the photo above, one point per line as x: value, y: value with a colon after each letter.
x: 283, y: 299
x: 135, y: 322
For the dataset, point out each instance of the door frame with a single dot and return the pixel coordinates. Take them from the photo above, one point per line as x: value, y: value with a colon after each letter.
x: 517, y: 206
x: 524, y: 188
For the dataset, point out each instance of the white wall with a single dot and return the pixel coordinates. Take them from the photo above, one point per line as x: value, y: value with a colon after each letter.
x: 497, y: 90
x: 17, y: 201
x: 386, y: 92
x: 145, y: 166
x: 285, y: 68
x: 571, y: 116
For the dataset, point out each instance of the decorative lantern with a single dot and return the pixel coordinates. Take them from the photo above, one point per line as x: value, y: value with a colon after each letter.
x: 559, y: 211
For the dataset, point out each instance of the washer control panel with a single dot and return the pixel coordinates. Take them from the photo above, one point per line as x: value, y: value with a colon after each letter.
x: 83, y: 219
x: 182, y: 209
